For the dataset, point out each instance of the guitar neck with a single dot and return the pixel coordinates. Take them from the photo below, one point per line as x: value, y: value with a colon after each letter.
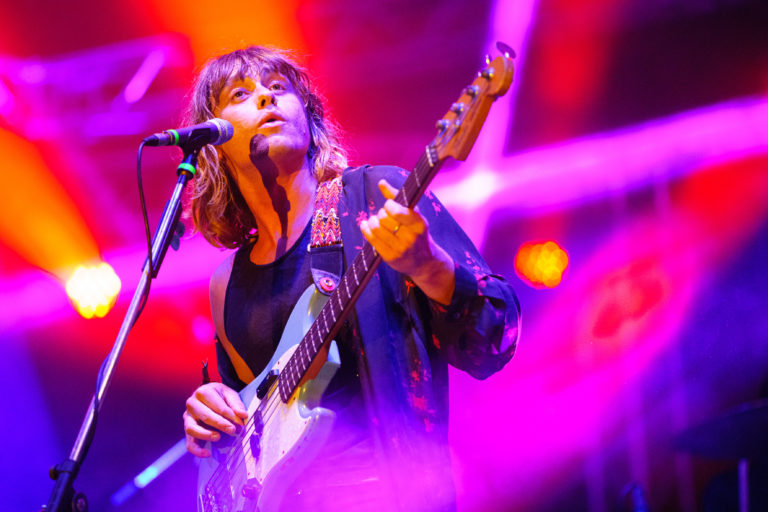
x: 457, y: 131
x: 351, y: 285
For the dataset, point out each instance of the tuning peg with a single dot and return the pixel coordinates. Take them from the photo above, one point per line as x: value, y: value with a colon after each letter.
x: 457, y: 108
x: 442, y: 125
x: 487, y: 73
x: 472, y: 91
x: 487, y: 59
x: 505, y: 49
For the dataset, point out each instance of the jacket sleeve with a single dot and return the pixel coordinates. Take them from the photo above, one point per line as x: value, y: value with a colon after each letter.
x: 478, y: 331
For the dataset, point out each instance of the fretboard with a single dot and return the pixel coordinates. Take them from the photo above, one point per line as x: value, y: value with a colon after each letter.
x: 351, y: 285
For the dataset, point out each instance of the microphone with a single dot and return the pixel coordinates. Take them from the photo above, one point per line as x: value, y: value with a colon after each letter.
x: 214, y: 131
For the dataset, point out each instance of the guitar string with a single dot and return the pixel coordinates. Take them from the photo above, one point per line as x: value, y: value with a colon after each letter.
x: 236, y: 459
x: 270, y: 405
x: 238, y: 450
x: 267, y: 409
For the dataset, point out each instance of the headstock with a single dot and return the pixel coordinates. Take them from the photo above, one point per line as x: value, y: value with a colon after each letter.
x: 459, y: 127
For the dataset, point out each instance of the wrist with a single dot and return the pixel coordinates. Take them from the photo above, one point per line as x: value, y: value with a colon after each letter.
x: 436, y: 278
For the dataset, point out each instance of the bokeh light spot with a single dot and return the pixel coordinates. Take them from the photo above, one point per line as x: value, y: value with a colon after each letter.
x: 541, y: 264
x: 93, y: 290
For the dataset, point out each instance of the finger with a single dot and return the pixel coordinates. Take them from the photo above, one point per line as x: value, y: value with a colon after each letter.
x: 387, y: 190
x: 387, y: 221
x: 197, y: 431
x: 201, y: 412
x: 195, y: 434
x: 215, y: 399
x: 386, y: 252
x: 195, y: 449
x: 404, y: 217
x: 385, y: 236
x: 236, y: 404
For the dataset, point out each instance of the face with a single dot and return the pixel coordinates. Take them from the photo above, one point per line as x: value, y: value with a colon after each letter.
x: 269, y: 121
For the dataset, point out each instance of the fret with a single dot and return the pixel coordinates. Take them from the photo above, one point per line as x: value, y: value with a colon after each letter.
x: 284, y: 391
x: 289, y: 372
x: 408, y: 193
x: 354, y: 272
x: 346, y: 285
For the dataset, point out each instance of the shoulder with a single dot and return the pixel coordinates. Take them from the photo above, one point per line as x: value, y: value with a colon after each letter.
x: 220, y: 279
x: 369, y: 175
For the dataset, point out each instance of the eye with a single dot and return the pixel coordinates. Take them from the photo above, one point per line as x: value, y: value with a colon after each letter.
x: 239, y: 94
x: 277, y: 86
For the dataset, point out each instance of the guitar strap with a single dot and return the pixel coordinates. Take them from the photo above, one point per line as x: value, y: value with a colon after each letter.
x: 326, y: 255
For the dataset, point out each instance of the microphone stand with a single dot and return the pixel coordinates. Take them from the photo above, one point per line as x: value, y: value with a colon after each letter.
x: 63, y: 498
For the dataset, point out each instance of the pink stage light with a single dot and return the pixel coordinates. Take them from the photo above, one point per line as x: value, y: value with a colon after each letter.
x: 150, y: 67
x: 587, y: 169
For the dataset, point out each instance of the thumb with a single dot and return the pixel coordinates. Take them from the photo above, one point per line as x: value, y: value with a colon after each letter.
x: 387, y: 190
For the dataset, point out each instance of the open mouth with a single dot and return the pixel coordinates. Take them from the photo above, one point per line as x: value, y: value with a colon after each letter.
x: 271, y: 120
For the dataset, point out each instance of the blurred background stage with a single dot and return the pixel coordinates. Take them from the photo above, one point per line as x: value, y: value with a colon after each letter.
x: 635, y: 138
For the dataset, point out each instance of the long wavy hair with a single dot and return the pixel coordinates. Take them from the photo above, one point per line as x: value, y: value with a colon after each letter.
x: 218, y: 210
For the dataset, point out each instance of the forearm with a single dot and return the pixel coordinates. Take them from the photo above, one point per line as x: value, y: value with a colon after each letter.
x: 437, y: 277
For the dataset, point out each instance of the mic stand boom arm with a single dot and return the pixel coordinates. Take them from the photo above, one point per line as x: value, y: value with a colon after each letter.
x: 63, y: 498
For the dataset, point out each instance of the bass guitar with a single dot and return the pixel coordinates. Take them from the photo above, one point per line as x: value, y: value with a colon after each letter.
x: 286, y: 426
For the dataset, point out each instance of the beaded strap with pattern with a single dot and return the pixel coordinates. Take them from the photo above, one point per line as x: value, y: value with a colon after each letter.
x: 325, y: 222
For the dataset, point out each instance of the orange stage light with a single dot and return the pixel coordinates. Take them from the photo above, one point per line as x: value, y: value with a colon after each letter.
x: 212, y: 31
x: 541, y: 264
x: 93, y: 290
x: 38, y: 219
x: 40, y: 222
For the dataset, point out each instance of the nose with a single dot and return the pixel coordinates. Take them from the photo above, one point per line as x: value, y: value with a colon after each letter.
x: 266, y: 97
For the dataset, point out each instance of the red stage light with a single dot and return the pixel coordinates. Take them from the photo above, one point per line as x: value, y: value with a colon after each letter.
x: 541, y: 264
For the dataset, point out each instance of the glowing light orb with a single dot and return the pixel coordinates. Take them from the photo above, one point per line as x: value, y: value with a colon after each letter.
x: 93, y: 290
x: 541, y: 264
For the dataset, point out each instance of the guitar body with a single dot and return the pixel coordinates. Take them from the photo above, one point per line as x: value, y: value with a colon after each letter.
x: 247, y: 473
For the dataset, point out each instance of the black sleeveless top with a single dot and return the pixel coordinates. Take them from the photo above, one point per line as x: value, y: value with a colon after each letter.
x: 260, y: 298
x: 258, y: 302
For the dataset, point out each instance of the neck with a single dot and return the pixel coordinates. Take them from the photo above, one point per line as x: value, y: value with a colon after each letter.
x: 282, y: 201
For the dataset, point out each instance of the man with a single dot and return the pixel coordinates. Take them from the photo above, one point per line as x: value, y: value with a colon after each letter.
x: 432, y: 302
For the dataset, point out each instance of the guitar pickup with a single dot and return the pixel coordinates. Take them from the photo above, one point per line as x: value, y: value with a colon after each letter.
x: 265, y: 384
